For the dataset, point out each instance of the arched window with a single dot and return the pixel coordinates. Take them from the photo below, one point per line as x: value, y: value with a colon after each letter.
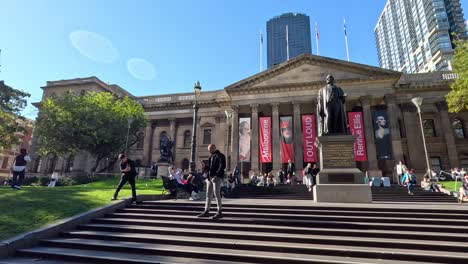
x: 187, y: 139
x: 429, y: 128
x: 185, y: 164
x: 457, y: 126
x: 162, y: 135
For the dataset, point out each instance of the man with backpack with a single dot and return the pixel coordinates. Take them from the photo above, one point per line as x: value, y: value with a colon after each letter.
x: 215, y: 168
x: 127, y: 167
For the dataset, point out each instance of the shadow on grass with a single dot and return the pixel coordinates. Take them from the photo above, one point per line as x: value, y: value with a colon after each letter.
x: 33, y: 207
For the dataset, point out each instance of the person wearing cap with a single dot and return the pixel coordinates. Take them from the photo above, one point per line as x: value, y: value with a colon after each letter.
x: 127, y: 168
x: 19, y: 169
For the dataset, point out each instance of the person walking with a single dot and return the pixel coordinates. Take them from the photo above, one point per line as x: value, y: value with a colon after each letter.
x: 290, y: 171
x: 315, y: 172
x: 127, y: 168
x: 18, y: 169
x: 281, y: 176
x: 216, y: 166
x: 400, y: 169
x: 308, y: 176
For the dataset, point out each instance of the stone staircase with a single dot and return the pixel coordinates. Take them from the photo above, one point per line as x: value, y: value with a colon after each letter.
x: 399, y: 194
x: 283, y: 191
x: 250, y: 232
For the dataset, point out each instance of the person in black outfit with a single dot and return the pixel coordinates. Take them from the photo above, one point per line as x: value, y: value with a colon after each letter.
x: 315, y: 172
x: 290, y: 171
x: 127, y: 167
x: 19, y: 169
x: 215, y: 168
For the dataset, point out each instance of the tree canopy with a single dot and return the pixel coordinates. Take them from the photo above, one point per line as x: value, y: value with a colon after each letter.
x: 12, y: 102
x: 457, y: 99
x: 94, y: 122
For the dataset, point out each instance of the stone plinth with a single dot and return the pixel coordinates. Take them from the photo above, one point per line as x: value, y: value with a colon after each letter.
x: 339, y: 181
x: 163, y: 168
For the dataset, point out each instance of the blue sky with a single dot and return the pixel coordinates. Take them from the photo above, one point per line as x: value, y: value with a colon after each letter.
x: 154, y: 47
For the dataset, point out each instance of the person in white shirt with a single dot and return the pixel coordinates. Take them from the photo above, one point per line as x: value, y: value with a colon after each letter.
x: 19, y: 169
x: 400, y: 170
x: 175, y: 173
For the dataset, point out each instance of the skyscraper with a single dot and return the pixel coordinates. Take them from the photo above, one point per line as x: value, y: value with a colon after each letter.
x: 298, y: 37
x: 414, y: 35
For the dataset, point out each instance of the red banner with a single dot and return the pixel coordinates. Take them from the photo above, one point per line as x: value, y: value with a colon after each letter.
x: 287, y: 139
x: 308, y: 138
x: 356, y: 128
x: 265, y: 139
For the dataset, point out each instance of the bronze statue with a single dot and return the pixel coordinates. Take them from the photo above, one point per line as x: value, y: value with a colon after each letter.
x: 165, y: 149
x: 331, y: 112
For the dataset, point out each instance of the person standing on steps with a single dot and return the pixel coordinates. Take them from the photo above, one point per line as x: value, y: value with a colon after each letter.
x: 127, y: 167
x: 216, y: 166
x: 290, y: 171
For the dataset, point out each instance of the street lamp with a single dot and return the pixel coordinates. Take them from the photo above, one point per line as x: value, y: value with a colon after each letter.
x: 417, y: 101
x: 130, y: 121
x: 196, y: 91
x: 228, y: 122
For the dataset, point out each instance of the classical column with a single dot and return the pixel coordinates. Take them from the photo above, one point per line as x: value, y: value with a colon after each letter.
x: 373, y: 168
x: 235, y: 136
x: 276, y: 137
x: 417, y: 160
x: 172, y: 135
x: 298, y: 159
x: 392, y: 114
x: 254, y: 137
x: 148, y: 143
x: 446, y: 124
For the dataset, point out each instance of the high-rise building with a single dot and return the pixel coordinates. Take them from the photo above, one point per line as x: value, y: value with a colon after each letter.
x: 414, y: 35
x: 298, y: 37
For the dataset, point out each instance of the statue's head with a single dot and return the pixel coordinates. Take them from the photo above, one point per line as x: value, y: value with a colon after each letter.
x: 330, y: 79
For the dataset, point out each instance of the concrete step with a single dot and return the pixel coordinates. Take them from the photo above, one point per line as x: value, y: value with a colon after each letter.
x: 309, y: 211
x: 276, y: 215
x: 221, y: 250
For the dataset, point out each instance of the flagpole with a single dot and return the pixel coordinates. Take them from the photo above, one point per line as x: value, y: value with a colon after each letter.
x: 261, y: 51
x: 317, y: 38
x: 346, y: 38
x: 287, y: 43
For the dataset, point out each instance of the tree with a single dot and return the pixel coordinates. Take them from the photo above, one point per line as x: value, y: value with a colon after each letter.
x: 12, y: 102
x: 94, y: 122
x: 457, y: 98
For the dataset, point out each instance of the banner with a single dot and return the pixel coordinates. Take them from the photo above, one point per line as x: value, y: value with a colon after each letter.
x: 308, y: 138
x: 287, y: 139
x: 265, y: 139
x: 244, y: 139
x: 357, y: 129
x: 383, y: 142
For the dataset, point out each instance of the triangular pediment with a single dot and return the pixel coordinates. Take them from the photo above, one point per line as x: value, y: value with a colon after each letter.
x: 312, y: 69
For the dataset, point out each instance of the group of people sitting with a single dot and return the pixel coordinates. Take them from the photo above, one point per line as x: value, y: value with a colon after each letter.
x: 264, y: 180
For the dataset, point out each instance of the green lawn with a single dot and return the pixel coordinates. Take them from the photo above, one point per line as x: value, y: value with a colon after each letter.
x: 33, y: 207
x: 450, y: 185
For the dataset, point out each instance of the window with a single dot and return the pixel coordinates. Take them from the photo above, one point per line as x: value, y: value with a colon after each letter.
x: 457, y: 126
x: 141, y: 140
x: 429, y: 130
x: 187, y: 139
x: 436, y: 164
x: 206, y: 136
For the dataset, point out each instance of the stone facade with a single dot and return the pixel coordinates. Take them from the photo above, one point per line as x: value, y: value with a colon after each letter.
x: 290, y: 89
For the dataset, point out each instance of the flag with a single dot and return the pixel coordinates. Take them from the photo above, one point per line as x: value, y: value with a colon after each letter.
x: 316, y: 31
x: 344, y: 26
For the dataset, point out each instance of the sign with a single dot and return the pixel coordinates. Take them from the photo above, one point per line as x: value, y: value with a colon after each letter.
x: 287, y: 139
x: 357, y: 129
x: 265, y: 139
x: 308, y: 138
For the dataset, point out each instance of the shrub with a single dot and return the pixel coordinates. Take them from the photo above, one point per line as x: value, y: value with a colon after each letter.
x: 30, y: 180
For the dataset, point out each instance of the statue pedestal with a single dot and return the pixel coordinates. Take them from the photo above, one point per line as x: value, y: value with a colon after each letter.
x: 339, y: 181
x: 163, y: 168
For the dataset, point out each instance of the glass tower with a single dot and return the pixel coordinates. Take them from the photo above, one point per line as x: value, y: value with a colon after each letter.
x: 414, y: 35
x: 298, y: 37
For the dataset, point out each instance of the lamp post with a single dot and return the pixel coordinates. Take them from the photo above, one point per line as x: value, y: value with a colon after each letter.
x: 130, y: 121
x: 417, y: 101
x: 197, y: 91
x: 228, y: 123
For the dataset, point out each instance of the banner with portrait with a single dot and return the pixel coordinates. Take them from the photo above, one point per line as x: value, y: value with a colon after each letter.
x: 244, y: 139
x: 265, y: 139
x: 356, y: 128
x: 383, y: 141
x: 308, y: 138
x: 287, y: 139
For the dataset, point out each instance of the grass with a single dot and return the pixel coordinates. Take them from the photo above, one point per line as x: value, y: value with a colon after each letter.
x: 450, y: 185
x: 34, y: 207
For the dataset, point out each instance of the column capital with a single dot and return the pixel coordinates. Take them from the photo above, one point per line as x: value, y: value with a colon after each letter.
x: 275, y: 107
x: 442, y: 106
x: 254, y: 108
x: 365, y: 100
x: 390, y: 98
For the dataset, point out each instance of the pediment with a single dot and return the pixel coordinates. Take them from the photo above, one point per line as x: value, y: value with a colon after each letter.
x: 313, y: 69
